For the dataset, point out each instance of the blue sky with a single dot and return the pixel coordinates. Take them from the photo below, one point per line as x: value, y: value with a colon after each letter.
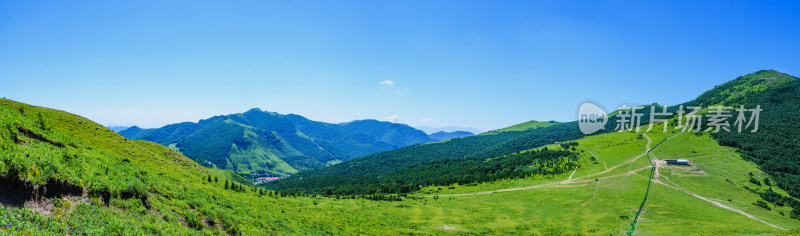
x: 482, y: 64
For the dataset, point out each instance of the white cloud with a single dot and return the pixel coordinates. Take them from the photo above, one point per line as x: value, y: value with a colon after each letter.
x: 394, y: 119
x: 387, y: 82
x: 401, y: 91
x: 426, y: 120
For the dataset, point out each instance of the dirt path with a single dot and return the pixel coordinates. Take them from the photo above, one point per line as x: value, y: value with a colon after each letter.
x: 573, y: 173
x: 717, y: 204
x: 677, y: 187
x: 568, y: 181
x: 646, y: 150
x: 562, y: 184
x: 581, y: 182
x: 598, y: 159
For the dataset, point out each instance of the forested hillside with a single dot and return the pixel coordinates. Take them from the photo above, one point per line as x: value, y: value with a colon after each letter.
x: 64, y: 174
x: 259, y: 141
x: 381, y: 171
x: 775, y: 147
x: 373, y: 169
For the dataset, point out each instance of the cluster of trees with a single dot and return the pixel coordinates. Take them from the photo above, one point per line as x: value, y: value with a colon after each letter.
x: 442, y: 172
x: 301, y: 193
x: 234, y: 186
x: 569, y: 145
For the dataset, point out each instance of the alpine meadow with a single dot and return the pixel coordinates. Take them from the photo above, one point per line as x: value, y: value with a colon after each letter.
x: 399, y: 118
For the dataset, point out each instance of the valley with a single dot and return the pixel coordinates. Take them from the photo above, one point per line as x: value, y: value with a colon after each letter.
x: 65, y: 174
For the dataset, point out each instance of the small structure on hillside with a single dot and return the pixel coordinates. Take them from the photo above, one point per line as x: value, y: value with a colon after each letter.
x: 555, y: 144
x: 682, y: 162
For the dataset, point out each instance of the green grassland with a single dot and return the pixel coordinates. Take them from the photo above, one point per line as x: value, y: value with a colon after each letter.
x: 523, y: 126
x: 139, y: 187
x: 667, y: 211
x: 63, y: 174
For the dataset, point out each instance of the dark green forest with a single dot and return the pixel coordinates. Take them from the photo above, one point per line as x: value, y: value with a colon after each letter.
x: 371, y: 171
x: 775, y: 148
x: 444, y: 172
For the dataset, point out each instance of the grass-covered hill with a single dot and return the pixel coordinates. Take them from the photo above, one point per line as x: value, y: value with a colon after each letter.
x: 370, y: 174
x: 64, y: 174
x: 270, y: 142
x: 392, y: 170
x: 775, y: 148
x: 526, y: 126
x: 751, y: 182
x: 411, y: 165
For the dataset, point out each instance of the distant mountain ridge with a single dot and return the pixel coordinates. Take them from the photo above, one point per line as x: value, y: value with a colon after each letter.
x: 430, y: 130
x: 117, y: 128
x: 773, y: 148
x: 265, y: 141
x: 441, y: 135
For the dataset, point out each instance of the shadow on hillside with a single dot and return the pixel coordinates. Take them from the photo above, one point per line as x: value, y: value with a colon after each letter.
x: 15, y: 192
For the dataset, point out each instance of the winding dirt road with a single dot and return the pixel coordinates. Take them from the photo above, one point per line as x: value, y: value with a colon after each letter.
x: 568, y: 181
x: 717, y: 203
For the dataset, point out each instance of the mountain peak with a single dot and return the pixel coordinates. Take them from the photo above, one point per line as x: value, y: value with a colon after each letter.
x: 736, y: 91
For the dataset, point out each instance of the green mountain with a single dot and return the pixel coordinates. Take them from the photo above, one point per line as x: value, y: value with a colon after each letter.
x: 526, y: 126
x: 369, y: 174
x: 775, y: 147
x: 412, y: 166
x: 63, y: 174
x: 441, y: 135
x: 396, y: 134
x: 259, y: 141
x: 754, y: 180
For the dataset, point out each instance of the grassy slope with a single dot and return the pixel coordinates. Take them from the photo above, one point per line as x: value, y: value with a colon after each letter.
x: 605, y: 207
x: 735, y: 92
x: 718, y: 165
x: 372, y: 169
x: 524, y: 126
x: 181, y: 199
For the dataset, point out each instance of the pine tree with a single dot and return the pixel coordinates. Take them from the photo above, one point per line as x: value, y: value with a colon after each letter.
x: 226, y: 184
